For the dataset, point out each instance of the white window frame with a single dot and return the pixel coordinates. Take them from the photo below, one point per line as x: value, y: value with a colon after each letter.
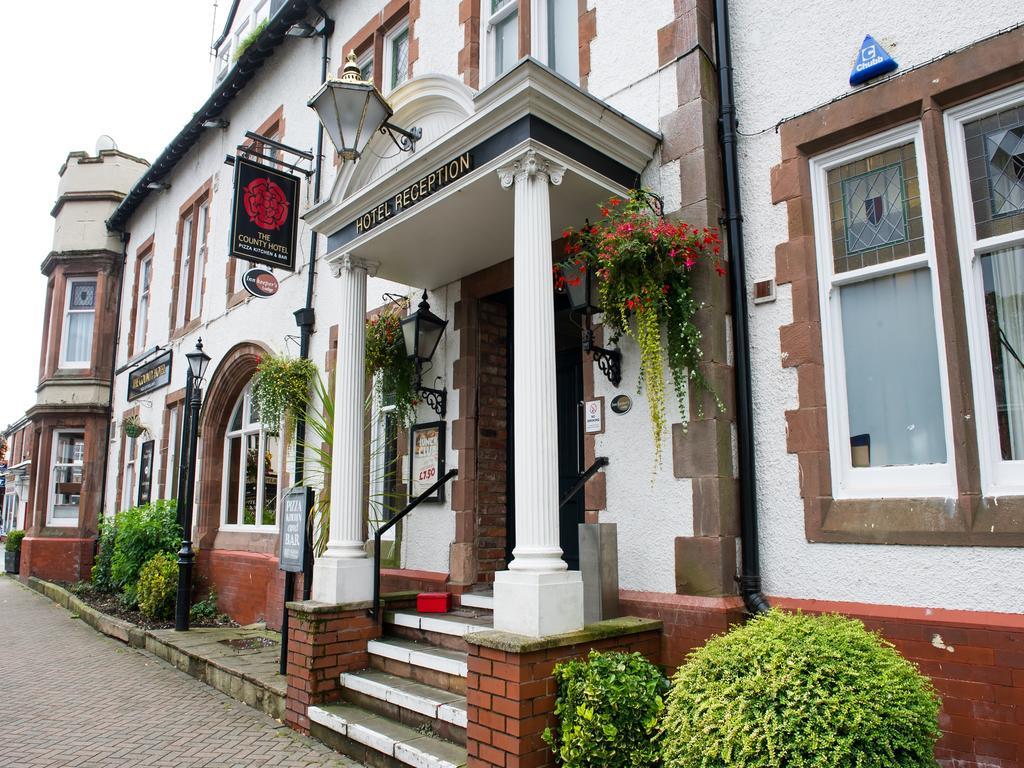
x: 223, y: 60
x: 489, y: 49
x: 367, y: 58
x: 904, y: 481
x: 142, y: 308
x: 999, y: 476
x: 66, y: 324
x: 200, y: 256
x: 540, y: 18
x: 248, y: 428
x: 128, y: 490
x: 63, y: 522
x: 184, y: 269
x: 387, y: 69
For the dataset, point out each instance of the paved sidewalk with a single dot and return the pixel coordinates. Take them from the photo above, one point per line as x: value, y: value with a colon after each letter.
x: 72, y: 697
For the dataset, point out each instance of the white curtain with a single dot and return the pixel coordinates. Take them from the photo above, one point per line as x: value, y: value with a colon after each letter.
x: 1008, y: 284
x: 79, y: 341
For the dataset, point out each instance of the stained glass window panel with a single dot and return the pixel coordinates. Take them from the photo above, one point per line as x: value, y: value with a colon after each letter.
x: 875, y: 209
x: 995, y: 165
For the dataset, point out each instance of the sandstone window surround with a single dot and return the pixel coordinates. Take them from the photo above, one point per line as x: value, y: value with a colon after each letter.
x: 252, y: 467
x: 138, y: 329
x: 79, y: 322
x: 191, y: 256
x: 930, y: 100
x: 386, y: 47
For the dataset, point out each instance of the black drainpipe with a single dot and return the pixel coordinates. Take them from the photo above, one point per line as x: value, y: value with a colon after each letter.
x: 750, y: 566
x: 125, y: 237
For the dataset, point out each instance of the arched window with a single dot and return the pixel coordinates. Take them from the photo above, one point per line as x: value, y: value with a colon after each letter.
x: 250, y: 494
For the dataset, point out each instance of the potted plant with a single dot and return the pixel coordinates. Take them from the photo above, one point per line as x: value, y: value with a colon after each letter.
x: 133, y: 427
x: 645, y: 269
x: 12, y: 551
x: 387, y: 361
x: 280, y: 387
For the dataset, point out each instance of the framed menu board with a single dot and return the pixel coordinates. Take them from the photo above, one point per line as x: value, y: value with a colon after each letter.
x: 426, y: 459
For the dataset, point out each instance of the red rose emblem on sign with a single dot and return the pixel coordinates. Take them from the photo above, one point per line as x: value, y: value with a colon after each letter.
x: 266, y: 204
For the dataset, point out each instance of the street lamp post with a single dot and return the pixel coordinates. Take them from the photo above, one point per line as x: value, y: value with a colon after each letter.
x: 197, y: 363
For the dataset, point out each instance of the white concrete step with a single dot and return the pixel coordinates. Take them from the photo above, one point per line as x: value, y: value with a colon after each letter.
x: 442, y: 623
x: 420, y: 655
x: 405, y: 744
x: 481, y: 599
x: 408, y: 694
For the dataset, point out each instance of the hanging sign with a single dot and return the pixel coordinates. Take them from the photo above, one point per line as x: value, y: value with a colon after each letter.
x: 150, y: 376
x: 297, y: 502
x: 260, y: 282
x: 146, y: 472
x: 418, y: 190
x: 427, y: 459
x: 264, y: 215
x: 872, y: 61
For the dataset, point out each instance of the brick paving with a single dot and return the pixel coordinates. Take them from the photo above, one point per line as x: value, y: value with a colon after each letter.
x: 70, y: 696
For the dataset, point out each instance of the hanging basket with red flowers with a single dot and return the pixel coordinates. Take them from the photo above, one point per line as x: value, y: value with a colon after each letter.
x: 387, y: 361
x: 645, y: 265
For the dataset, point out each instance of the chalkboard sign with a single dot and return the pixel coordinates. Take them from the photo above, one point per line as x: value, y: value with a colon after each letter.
x: 297, y: 502
x: 146, y: 473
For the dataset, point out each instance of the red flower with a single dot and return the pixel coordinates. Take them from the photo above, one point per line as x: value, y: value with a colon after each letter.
x: 615, y: 201
x: 605, y: 212
x: 719, y: 269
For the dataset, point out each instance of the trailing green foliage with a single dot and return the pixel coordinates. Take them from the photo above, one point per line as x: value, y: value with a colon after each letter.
x: 102, y: 578
x: 13, y: 541
x: 141, y: 533
x: 280, y: 387
x: 609, y: 710
x: 158, y: 583
x: 249, y: 40
x: 394, y: 374
x: 795, y: 691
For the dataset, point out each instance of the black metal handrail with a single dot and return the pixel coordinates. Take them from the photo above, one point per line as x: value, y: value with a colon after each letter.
x: 600, y: 461
x: 375, y: 610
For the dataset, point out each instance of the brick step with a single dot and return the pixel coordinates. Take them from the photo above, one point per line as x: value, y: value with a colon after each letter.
x: 380, y: 741
x: 444, y: 630
x: 408, y: 702
x: 422, y: 663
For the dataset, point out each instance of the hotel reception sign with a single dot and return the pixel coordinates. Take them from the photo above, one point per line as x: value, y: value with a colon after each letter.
x: 415, y: 192
x: 264, y: 215
x: 150, y: 377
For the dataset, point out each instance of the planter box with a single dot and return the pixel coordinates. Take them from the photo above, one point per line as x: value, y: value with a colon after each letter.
x: 12, y: 561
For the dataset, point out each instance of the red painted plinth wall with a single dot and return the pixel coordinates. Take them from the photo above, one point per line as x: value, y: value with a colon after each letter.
x: 57, y: 558
x: 975, y: 660
x: 249, y: 586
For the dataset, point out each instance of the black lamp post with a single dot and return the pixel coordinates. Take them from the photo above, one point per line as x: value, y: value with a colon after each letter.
x: 422, y: 331
x: 584, y: 297
x: 197, y: 363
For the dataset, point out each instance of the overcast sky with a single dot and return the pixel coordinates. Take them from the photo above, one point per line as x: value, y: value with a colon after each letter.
x: 132, y: 69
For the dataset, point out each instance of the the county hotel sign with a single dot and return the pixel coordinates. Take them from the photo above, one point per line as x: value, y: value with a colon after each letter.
x: 415, y: 192
x: 264, y: 217
x: 150, y: 376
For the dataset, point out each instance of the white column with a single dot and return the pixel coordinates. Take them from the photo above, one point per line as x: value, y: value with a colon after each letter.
x: 537, y: 596
x: 344, y: 573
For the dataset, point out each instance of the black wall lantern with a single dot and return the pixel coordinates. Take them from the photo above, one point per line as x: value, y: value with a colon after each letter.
x: 584, y: 297
x: 422, y: 331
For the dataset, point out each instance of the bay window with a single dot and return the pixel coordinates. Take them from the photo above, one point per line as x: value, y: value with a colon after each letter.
x: 986, y: 155
x: 67, y: 463
x: 251, y: 463
x: 79, y: 319
x: 886, y: 386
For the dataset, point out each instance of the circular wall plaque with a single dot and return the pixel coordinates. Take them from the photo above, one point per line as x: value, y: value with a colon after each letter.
x: 621, y: 403
x: 260, y: 282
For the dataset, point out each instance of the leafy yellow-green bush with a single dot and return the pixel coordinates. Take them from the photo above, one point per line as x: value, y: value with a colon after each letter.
x: 158, y: 583
x: 609, y: 710
x: 795, y: 691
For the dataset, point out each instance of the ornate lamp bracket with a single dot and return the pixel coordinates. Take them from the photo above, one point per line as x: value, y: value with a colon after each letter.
x: 608, y: 360
x: 436, y: 399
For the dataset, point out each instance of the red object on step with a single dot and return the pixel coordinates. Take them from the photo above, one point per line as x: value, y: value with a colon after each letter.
x: 434, y: 602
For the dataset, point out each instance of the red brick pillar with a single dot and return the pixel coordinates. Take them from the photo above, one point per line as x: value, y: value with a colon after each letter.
x: 510, y: 688
x: 324, y: 640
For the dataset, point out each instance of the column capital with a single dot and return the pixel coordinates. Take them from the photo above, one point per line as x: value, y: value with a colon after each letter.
x: 531, y: 163
x: 347, y: 262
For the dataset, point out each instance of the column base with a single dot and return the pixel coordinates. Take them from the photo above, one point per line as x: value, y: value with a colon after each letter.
x: 538, y: 604
x: 339, y: 580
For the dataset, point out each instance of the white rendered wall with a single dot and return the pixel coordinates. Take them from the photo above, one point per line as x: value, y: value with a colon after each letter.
x: 782, y: 69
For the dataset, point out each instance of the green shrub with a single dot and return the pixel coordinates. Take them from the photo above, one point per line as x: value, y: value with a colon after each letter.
x: 13, y: 541
x: 102, y: 578
x: 609, y: 711
x: 794, y: 690
x: 158, y: 583
x: 205, y: 609
x: 141, y: 533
